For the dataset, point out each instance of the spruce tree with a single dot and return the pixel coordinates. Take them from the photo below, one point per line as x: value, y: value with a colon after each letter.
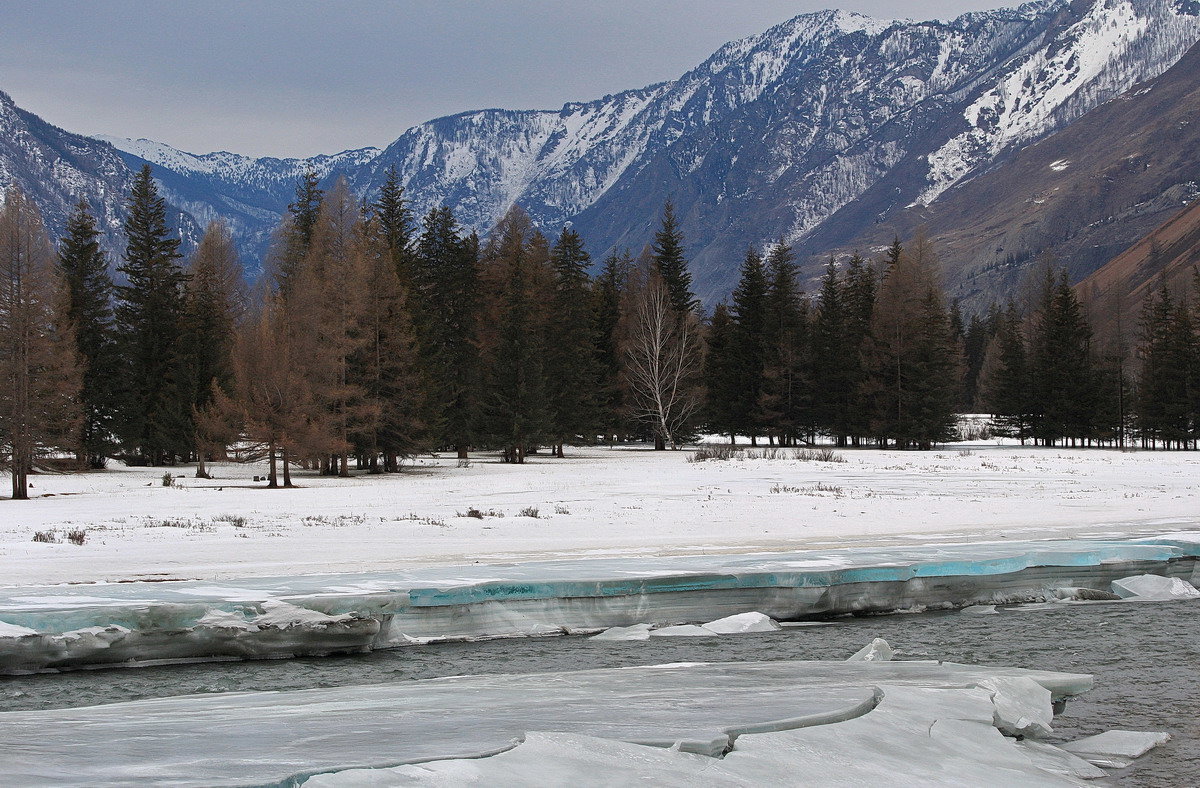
x: 1167, y: 351
x: 749, y: 315
x: 396, y: 228
x: 40, y: 376
x: 671, y: 264
x: 1004, y: 380
x: 832, y: 385
x: 859, y: 290
x: 785, y: 402
x: 608, y: 295
x: 446, y: 286
x: 294, y: 235
x: 156, y: 408
x: 515, y: 414
x: 388, y: 366
x: 1061, y: 365
x: 723, y: 392
x: 571, y: 364
x: 83, y: 266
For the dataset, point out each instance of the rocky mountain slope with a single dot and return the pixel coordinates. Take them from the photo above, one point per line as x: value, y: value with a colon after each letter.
x: 815, y: 131
x: 1079, y: 197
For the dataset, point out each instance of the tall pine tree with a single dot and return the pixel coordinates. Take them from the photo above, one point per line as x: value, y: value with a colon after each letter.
x: 446, y: 288
x: 749, y: 314
x: 572, y: 372
x: 83, y: 266
x: 671, y: 264
x: 156, y: 409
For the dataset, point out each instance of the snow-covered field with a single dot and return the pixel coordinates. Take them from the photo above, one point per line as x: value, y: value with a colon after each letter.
x: 596, y: 502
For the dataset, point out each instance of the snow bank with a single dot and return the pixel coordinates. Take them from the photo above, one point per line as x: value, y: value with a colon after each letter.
x: 100, y: 624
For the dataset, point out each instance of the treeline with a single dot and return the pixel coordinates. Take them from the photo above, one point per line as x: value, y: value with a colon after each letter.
x: 877, y: 357
x: 372, y: 336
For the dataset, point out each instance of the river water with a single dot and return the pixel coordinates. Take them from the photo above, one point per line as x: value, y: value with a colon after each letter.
x: 1145, y: 657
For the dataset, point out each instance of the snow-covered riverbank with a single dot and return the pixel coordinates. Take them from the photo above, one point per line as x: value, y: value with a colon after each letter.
x: 595, y: 503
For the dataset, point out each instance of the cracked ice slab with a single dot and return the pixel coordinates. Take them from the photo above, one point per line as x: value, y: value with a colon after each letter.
x: 916, y: 735
x: 269, y: 737
x: 55, y: 627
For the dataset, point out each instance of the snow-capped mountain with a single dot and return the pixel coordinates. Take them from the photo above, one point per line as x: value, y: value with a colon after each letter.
x: 811, y: 131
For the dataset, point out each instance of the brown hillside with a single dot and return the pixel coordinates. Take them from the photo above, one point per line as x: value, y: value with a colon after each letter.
x: 1170, y: 253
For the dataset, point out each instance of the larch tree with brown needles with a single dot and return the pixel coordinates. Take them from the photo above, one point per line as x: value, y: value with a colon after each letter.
x: 40, y: 377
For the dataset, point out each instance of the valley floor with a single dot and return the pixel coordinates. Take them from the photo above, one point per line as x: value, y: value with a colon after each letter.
x: 596, y: 502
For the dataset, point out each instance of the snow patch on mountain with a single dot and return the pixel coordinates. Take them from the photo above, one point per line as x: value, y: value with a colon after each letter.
x: 1117, y: 44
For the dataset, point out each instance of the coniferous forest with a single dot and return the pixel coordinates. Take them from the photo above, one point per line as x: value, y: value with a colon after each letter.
x: 374, y: 335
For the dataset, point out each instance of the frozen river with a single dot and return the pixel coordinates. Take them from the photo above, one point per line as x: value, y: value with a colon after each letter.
x: 1143, y: 657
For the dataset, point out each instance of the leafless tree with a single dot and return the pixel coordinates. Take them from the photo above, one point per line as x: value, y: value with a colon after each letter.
x: 663, y: 357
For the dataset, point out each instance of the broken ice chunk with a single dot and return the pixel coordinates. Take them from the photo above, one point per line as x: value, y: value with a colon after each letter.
x: 742, y: 622
x: 1057, y: 761
x: 877, y: 650
x: 981, y: 610
x: 1022, y: 706
x: 1154, y: 587
x: 683, y: 630
x: 13, y: 631
x: 1116, y: 749
x: 635, y: 632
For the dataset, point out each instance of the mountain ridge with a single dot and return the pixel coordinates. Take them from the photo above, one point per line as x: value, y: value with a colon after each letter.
x: 813, y: 131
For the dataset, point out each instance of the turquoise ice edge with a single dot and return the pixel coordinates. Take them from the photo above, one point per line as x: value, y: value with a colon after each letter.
x: 1159, y: 551
x: 69, y: 626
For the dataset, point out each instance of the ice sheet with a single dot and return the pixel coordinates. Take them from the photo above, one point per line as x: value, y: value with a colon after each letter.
x: 274, y: 617
x: 268, y: 737
x: 915, y: 736
x: 1116, y: 748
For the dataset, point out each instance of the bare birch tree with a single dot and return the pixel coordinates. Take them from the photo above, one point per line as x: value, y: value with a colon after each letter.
x: 663, y: 357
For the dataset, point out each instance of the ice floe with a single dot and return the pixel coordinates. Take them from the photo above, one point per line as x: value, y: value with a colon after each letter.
x: 855, y: 720
x: 1116, y: 749
x: 1154, y: 587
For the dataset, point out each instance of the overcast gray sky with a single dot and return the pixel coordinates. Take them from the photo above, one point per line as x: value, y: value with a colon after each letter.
x: 299, y: 77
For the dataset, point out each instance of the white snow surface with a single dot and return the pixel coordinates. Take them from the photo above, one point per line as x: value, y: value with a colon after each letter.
x: 595, y: 503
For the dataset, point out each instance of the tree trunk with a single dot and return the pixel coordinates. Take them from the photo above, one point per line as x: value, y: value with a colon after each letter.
x: 660, y: 443
x: 287, y: 468
x: 272, y: 474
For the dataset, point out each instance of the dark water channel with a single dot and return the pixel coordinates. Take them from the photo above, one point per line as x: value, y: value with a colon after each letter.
x: 1145, y: 657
